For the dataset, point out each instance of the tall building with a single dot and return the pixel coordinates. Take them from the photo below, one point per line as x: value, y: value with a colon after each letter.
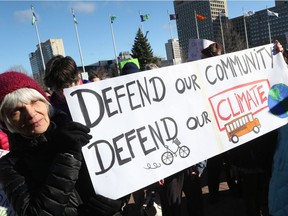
x: 173, y: 51
x: 280, y: 3
x: 260, y: 27
x: 50, y: 48
x: 187, y: 24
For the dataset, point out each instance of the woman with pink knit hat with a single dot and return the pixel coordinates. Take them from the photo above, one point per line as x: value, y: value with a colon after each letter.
x: 39, y: 173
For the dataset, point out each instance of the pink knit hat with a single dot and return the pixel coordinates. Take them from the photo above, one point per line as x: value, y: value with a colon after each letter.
x: 11, y: 81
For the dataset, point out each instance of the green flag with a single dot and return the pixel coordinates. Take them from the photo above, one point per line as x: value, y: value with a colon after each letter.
x: 112, y: 18
x: 144, y: 17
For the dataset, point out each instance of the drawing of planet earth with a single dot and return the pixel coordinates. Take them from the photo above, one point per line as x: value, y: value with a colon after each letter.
x: 278, y: 100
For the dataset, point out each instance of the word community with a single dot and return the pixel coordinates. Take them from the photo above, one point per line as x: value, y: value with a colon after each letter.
x: 239, y: 65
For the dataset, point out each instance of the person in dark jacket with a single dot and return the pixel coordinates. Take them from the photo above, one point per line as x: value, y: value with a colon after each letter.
x: 61, y: 72
x: 187, y: 181
x: 278, y: 185
x: 253, y: 160
x: 129, y: 68
x: 220, y: 162
x: 214, y: 49
x: 40, y: 172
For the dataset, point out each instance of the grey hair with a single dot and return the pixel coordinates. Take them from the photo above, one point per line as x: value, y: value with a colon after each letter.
x: 151, y: 66
x: 13, y: 99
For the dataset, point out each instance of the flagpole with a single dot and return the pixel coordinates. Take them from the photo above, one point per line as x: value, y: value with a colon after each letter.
x: 114, y: 44
x: 196, y: 24
x: 170, y: 25
x: 38, y: 37
x: 247, y: 44
x: 268, y: 25
x: 77, y: 36
x: 142, y: 28
x: 220, y: 14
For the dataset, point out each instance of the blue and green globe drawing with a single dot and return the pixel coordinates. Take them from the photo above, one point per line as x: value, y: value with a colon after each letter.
x: 278, y: 100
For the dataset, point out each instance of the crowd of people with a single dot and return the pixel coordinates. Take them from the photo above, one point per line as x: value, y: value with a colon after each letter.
x: 45, y: 173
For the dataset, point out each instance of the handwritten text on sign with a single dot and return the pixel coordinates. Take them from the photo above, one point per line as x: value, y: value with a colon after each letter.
x: 149, y: 125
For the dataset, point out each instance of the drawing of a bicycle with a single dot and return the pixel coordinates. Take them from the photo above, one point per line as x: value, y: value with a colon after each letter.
x: 168, y: 156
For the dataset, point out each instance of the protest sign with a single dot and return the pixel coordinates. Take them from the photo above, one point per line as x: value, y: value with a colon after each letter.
x: 149, y: 125
x: 195, y: 47
x: 5, y: 207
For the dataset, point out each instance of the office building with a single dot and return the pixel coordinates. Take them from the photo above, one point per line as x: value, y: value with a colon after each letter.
x: 50, y: 48
x: 173, y: 51
x: 187, y: 24
x: 280, y: 3
x: 262, y: 29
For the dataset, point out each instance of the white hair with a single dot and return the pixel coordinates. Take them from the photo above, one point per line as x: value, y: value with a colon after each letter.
x: 13, y: 99
x: 151, y: 66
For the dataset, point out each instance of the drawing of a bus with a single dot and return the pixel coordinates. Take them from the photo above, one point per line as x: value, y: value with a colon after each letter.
x: 241, y: 126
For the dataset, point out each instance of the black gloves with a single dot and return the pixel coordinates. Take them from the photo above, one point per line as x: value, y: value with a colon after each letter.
x: 69, y: 138
x: 101, y: 206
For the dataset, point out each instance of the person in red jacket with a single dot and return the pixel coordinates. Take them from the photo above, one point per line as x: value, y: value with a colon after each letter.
x: 4, y: 144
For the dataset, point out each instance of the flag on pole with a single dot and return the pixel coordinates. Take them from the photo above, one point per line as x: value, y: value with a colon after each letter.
x: 75, y: 20
x: 144, y: 17
x: 173, y: 16
x: 249, y: 13
x: 112, y: 18
x: 34, y: 19
x: 271, y: 13
x: 222, y: 14
x: 74, y: 17
x: 200, y: 17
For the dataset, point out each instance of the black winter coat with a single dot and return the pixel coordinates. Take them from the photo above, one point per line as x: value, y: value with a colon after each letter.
x: 255, y: 155
x: 37, y: 180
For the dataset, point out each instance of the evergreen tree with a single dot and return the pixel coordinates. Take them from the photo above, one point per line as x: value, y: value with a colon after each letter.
x: 142, y: 50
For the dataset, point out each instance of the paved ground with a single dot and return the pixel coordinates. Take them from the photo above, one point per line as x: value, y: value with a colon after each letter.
x: 227, y: 204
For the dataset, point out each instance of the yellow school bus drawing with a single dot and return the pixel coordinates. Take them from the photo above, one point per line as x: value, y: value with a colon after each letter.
x: 241, y: 126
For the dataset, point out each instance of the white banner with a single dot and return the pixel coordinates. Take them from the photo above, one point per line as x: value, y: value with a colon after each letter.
x: 149, y: 125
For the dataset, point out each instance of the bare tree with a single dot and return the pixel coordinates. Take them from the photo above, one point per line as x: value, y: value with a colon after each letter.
x: 18, y: 68
x: 232, y: 39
